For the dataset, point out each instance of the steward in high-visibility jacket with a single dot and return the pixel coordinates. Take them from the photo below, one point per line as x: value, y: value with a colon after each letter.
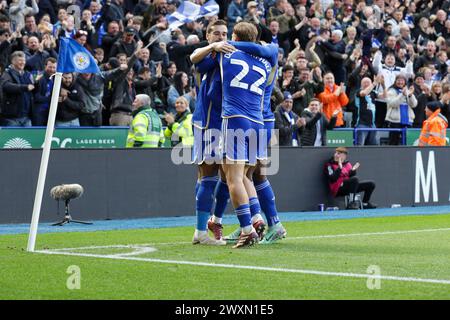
x: 179, y: 128
x: 434, y: 128
x: 146, y: 127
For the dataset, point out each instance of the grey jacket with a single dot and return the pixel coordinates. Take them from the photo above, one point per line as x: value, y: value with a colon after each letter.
x: 394, y: 99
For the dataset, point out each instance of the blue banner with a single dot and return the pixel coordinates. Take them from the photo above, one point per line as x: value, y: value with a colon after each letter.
x: 189, y: 12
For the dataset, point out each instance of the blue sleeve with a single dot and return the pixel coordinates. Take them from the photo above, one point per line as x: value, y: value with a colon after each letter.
x: 207, y: 64
x: 269, y: 51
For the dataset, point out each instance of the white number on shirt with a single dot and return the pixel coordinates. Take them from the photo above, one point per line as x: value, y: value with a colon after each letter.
x: 255, y: 86
x: 237, y: 80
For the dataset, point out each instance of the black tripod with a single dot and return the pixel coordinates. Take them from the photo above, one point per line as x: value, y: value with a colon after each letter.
x: 68, y: 217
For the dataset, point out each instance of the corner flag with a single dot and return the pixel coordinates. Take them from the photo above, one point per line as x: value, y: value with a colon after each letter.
x: 73, y: 57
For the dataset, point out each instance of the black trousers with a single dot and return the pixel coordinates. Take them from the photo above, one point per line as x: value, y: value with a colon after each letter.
x: 395, y: 138
x: 91, y: 119
x: 353, y: 185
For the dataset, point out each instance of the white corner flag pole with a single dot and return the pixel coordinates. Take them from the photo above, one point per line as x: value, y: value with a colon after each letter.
x: 44, y: 162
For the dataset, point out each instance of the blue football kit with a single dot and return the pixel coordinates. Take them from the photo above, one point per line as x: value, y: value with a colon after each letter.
x: 270, y: 52
x: 244, y: 80
x: 207, y: 116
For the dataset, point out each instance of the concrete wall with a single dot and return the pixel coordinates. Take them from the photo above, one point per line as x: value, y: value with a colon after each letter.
x: 142, y: 183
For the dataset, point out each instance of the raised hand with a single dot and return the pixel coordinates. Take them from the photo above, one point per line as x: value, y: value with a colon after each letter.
x: 159, y: 70
x: 338, y: 91
x: 163, y: 46
x: 301, y: 122
x: 169, y: 118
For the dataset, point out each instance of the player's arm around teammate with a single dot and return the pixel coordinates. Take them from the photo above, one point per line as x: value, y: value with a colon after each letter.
x: 201, y: 53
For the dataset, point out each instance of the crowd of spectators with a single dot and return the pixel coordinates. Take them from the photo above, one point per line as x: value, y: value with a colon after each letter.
x: 365, y: 64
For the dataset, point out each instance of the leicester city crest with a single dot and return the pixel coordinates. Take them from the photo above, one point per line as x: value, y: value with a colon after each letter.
x: 81, y: 60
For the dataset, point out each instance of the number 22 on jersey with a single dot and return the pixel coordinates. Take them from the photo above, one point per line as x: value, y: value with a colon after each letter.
x: 238, y: 82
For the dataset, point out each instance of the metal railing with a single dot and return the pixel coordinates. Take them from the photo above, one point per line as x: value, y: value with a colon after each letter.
x: 403, y: 132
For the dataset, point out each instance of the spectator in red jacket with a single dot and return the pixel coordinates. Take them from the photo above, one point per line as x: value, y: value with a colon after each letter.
x: 342, y: 180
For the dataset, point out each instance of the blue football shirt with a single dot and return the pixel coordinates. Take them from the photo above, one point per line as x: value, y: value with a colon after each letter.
x: 208, y: 83
x: 244, y: 80
x: 270, y: 52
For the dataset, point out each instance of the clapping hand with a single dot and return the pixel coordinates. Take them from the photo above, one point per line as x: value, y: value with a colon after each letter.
x: 193, y: 93
x: 339, y: 89
x: 301, y: 122
x: 318, y: 72
x: 379, y: 79
x: 336, y: 112
x: 41, y: 46
x: 405, y: 91
x: 169, y: 118
x: 159, y: 70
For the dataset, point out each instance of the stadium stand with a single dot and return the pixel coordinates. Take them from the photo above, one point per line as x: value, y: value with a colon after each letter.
x: 351, y: 39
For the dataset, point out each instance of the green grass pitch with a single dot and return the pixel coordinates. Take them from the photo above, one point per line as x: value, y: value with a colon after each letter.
x: 166, y: 265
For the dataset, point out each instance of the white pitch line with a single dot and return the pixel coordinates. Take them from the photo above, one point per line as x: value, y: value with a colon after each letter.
x: 125, y: 246
x: 367, y: 234
x: 288, y: 238
x: 234, y: 266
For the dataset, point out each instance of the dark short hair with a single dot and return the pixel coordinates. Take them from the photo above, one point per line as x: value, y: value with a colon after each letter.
x: 4, y: 18
x: 434, y: 105
x: 323, y: 30
x: 49, y: 59
x: 303, y: 69
x: 3, y: 31
x: 143, y: 70
x: 219, y: 22
x: 314, y: 100
x: 287, y: 67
